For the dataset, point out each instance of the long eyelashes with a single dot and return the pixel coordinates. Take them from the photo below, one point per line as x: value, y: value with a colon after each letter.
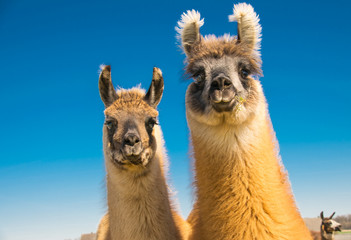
x: 110, y: 124
x: 244, y: 70
x: 244, y: 73
x: 199, y: 76
x: 150, y: 123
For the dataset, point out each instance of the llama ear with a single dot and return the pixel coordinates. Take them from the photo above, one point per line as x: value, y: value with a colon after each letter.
x: 331, y: 216
x: 107, y: 92
x: 249, y: 28
x: 189, y: 30
x: 322, y: 215
x: 154, y: 94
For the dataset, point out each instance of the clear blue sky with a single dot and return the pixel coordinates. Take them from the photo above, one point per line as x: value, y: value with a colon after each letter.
x: 51, y: 162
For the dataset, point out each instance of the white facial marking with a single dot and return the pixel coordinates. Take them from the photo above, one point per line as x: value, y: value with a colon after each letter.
x: 335, y: 224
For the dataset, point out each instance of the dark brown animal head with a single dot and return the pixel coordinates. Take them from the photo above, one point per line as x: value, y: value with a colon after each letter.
x: 130, y: 117
x: 223, y: 68
x: 329, y: 225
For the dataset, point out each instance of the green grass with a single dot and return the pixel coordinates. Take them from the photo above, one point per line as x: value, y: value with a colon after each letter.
x: 344, y: 232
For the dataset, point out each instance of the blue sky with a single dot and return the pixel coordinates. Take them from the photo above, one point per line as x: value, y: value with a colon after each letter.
x: 51, y: 162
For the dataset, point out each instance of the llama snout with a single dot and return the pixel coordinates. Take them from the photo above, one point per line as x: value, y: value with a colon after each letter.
x: 132, y: 147
x: 222, y: 93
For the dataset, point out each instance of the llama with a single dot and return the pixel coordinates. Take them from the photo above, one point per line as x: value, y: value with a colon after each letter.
x: 242, y: 189
x: 137, y: 193
x: 328, y: 227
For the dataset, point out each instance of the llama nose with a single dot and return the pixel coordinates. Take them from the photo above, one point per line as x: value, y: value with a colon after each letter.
x: 131, y: 139
x: 132, y: 147
x: 220, y: 83
x: 222, y: 93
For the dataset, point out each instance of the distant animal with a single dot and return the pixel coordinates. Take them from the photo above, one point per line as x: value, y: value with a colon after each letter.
x: 328, y: 228
x: 137, y: 194
x: 242, y: 188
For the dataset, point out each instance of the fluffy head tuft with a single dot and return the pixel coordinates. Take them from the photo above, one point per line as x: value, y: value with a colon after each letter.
x: 188, y: 28
x: 249, y: 28
x: 225, y: 38
x: 131, y: 100
x: 135, y: 92
x: 103, y: 67
x: 189, y: 18
x: 133, y: 97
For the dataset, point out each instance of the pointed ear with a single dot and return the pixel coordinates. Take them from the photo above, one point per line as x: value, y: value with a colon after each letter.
x: 189, y: 30
x: 331, y: 216
x: 322, y: 215
x: 249, y: 28
x: 107, y: 92
x: 154, y: 94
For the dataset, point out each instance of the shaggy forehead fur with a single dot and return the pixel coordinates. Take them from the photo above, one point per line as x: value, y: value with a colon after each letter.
x: 246, y: 45
x: 131, y: 100
x: 213, y: 47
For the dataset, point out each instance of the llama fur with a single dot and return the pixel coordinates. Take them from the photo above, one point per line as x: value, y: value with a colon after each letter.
x: 137, y: 194
x: 242, y: 189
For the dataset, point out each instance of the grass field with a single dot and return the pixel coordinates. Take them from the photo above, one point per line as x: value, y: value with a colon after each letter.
x: 344, y: 232
x: 344, y: 235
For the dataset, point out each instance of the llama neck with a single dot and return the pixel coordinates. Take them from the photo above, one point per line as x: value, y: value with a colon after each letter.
x: 239, y: 178
x: 139, y: 207
x: 327, y: 236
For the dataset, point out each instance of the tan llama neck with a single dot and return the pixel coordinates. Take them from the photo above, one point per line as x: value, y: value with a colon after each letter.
x: 138, y: 205
x: 327, y: 236
x: 242, y: 188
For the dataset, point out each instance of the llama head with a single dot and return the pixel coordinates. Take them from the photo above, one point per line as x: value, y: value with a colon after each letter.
x: 223, y: 68
x: 329, y: 225
x: 130, y: 119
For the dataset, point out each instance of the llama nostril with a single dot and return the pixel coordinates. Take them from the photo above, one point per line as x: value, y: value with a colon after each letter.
x: 227, y: 83
x: 221, y: 83
x: 215, y: 85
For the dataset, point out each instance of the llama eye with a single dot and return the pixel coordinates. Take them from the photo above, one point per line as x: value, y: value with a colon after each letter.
x: 110, y: 124
x: 151, y: 123
x: 200, y: 79
x: 199, y: 76
x: 244, y: 73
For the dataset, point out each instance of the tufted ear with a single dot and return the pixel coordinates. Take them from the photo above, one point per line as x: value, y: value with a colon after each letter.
x: 154, y: 94
x: 107, y: 92
x: 322, y: 215
x: 249, y: 28
x: 189, y: 30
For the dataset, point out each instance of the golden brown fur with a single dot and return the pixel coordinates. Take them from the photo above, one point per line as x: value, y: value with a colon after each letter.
x: 137, y: 194
x: 316, y: 235
x: 242, y: 188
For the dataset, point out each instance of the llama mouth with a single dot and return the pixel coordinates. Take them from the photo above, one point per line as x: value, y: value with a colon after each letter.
x: 133, y: 159
x: 224, y: 106
x: 142, y: 159
x: 118, y: 161
x: 121, y: 159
